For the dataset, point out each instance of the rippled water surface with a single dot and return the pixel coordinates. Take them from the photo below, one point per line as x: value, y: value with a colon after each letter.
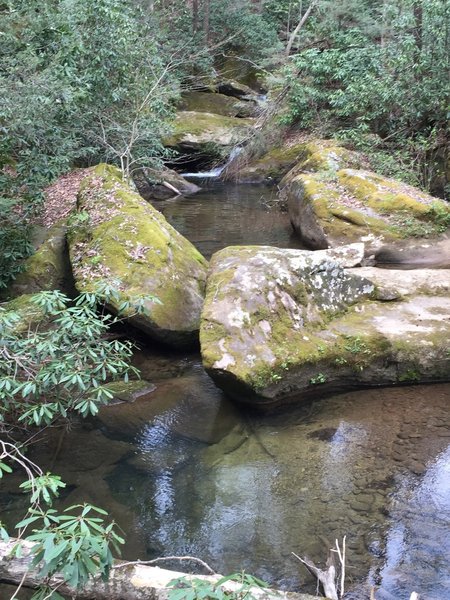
x: 186, y: 472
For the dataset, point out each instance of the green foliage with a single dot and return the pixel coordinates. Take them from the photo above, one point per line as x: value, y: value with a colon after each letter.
x: 242, y: 586
x: 76, y: 543
x: 14, y: 240
x: 249, y: 35
x: 378, y: 77
x: 318, y: 379
x: 62, y: 368
x: 82, y: 81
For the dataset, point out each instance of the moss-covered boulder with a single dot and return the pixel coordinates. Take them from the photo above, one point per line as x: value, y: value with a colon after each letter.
x: 23, y: 313
x: 162, y: 184
x: 285, y: 161
x: 325, y: 215
x: 325, y: 156
x: 47, y: 268
x: 328, y: 208
x: 117, y: 237
x: 218, y: 104
x: 207, y: 132
x: 280, y: 326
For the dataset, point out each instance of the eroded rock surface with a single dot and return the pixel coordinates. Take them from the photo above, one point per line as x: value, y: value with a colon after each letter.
x: 119, y: 238
x: 163, y: 184
x: 199, y: 130
x: 279, y: 326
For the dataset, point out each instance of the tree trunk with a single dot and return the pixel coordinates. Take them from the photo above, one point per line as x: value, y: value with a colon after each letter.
x: 418, y: 24
x: 195, y: 16
x: 206, y: 20
x: 299, y: 26
x: 126, y: 581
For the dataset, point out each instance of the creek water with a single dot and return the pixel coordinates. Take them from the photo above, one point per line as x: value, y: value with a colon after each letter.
x: 186, y: 472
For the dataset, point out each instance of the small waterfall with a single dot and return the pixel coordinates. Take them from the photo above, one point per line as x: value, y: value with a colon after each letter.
x: 218, y: 170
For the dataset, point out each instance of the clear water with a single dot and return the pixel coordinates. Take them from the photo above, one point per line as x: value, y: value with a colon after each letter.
x: 186, y: 472
x: 227, y: 215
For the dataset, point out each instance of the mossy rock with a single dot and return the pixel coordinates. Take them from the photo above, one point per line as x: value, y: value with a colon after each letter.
x: 272, y: 166
x: 29, y: 314
x: 236, y: 89
x: 284, y: 162
x: 279, y: 326
x: 391, y: 196
x: 322, y: 219
x: 195, y: 130
x: 329, y: 205
x: 118, y: 237
x: 218, y: 104
x: 152, y: 184
x: 323, y: 156
x: 47, y: 268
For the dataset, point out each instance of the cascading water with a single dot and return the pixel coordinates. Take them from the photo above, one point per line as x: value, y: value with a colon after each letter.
x: 215, y: 173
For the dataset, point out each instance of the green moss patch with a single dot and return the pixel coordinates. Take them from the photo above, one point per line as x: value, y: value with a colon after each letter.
x: 118, y: 237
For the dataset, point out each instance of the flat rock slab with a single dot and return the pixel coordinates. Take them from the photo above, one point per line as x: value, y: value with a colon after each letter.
x: 279, y: 326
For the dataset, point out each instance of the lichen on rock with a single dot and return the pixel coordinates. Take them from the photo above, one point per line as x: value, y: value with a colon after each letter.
x: 119, y: 238
x: 283, y: 325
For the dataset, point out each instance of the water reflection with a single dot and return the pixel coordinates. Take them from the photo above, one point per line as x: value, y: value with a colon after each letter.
x: 186, y: 473
x: 226, y: 215
x: 371, y: 465
x: 418, y: 535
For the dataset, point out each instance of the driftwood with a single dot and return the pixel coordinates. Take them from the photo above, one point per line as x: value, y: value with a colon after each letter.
x: 127, y: 581
x: 326, y: 578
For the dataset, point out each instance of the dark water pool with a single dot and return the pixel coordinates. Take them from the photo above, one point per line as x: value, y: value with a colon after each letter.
x: 227, y: 215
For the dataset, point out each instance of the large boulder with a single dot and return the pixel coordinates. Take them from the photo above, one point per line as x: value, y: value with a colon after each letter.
x: 117, y: 237
x: 47, y: 269
x: 288, y: 159
x: 207, y: 133
x: 218, y: 104
x: 280, y: 326
x: 330, y: 203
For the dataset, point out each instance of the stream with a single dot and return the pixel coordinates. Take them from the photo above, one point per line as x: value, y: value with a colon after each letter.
x: 184, y: 471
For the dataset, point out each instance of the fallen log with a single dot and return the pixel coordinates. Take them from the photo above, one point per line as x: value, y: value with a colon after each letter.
x: 127, y: 581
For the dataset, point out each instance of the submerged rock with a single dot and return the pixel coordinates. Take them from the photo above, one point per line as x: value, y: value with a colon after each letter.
x: 118, y: 238
x: 280, y: 326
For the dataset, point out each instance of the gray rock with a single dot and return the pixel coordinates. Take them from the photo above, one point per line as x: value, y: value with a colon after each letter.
x: 279, y: 326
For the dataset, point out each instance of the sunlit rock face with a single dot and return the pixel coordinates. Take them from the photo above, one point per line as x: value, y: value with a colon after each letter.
x: 283, y: 325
